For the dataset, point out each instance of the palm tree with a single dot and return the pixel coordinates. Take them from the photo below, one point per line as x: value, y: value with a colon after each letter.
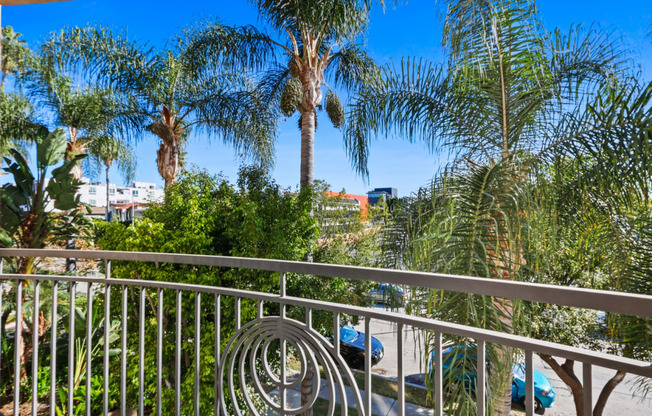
x: 168, y: 93
x: 511, y: 95
x: 81, y: 110
x: 15, y: 54
x: 17, y: 123
x: 105, y: 150
x: 312, y: 41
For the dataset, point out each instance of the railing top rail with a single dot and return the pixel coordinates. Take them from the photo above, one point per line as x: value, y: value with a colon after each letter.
x: 629, y: 365
x: 616, y: 302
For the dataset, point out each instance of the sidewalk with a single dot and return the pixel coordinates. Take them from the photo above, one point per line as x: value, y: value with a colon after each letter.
x: 380, y: 405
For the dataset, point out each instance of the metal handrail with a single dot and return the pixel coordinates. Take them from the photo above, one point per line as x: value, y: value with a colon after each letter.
x: 640, y: 305
x: 616, y: 302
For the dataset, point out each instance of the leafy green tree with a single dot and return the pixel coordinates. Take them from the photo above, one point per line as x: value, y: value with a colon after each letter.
x: 202, y: 214
x: 169, y: 93
x: 314, y: 41
x: 511, y: 96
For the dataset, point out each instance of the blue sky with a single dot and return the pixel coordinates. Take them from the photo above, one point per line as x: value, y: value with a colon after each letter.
x: 412, y: 29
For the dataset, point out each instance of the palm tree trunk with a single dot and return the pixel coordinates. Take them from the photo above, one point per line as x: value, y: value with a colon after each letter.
x: 108, y: 205
x: 73, y: 148
x: 307, y: 147
x: 168, y: 160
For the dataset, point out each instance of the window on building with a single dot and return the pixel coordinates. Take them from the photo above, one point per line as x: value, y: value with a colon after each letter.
x: 93, y: 202
x: 93, y: 190
x: 134, y: 192
x: 111, y: 191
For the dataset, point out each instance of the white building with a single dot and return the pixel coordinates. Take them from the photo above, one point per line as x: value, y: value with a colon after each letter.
x: 94, y: 193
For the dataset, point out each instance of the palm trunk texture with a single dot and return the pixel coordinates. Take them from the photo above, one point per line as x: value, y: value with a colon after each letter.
x: 168, y: 161
x: 307, y: 148
x: 108, y: 204
x: 312, y: 96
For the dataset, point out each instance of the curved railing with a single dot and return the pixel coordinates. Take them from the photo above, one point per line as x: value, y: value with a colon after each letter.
x: 251, y: 343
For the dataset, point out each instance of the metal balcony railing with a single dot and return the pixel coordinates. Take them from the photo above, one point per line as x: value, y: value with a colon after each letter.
x: 252, y: 341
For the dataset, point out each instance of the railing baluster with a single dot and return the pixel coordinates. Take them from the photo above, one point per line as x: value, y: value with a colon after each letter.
x: 282, y: 292
x: 141, y: 353
x: 107, y: 337
x: 159, y: 352
x: 123, y: 353
x: 336, y: 332
x: 401, y: 370
x: 367, y: 365
x: 89, y: 344
x: 1, y: 295
x: 177, y: 359
x: 309, y: 318
x: 238, y: 317
x: 283, y: 392
x: 587, y: 388
x: 53, y: 349
x: 259, y: 309
x: 437, y: 366
x: 17, y: 347
x: 529, y: 384
x: 71, y: 347
x: 35, y: 329
x: 197, y: 348
x: 218, y: 340
x: 482, y: 370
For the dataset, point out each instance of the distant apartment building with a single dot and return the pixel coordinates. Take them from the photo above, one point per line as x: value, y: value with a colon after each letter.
x: 377, y: 193
x: 352, y: 202
x: 125, y: 201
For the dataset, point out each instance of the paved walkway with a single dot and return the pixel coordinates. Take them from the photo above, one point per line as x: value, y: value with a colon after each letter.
x: 380, y: 405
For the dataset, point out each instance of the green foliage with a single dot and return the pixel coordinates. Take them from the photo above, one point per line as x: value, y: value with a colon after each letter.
x: 28, y: 219
x: 207, y: 215
x: 255, y: 217
x: 15, y: 54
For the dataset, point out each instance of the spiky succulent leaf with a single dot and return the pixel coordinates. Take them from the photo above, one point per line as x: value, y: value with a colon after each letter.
x: 291, y: 96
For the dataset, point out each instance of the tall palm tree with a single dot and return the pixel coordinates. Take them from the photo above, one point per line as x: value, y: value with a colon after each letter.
x: 81, y: 110
x: 309, y: 43
x: 15, y: 54
x: 104, y: 151
x: 168, y: 93
x: 510, y: 95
